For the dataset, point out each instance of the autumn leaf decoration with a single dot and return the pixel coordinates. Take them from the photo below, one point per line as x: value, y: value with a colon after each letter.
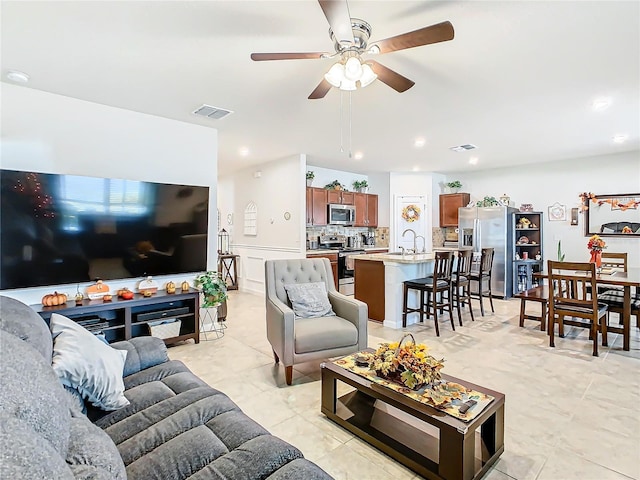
x: 616, y: 203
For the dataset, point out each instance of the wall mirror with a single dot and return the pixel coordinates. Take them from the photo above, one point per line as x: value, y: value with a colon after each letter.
x: 613, y: 215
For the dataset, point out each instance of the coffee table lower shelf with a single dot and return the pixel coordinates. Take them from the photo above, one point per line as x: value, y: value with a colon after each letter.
x: 429, y: 442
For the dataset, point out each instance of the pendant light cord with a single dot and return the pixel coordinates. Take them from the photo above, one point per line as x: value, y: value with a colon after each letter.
x: 341, y: 143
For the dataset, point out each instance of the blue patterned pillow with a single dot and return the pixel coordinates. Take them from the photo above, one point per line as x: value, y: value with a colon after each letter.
x: 309, y: 300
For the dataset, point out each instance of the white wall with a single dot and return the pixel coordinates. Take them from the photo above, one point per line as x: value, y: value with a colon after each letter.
x: 323, y: 176
x: 51, y: 133
x: 379, y: 184
x: 276, y: 188
x: 544, y: 184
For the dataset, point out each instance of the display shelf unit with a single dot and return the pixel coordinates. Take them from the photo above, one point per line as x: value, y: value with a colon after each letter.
x: 528, y: 252
x: 126, y: 319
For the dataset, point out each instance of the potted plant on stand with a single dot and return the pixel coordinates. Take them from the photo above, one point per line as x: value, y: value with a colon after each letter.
x: 214, y: 292
x: 361, y: 186
x: 310, y: 177
x: 454, y: 186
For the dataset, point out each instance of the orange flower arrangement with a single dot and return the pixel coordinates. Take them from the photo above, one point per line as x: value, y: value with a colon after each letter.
x: 596, y: 244
x: 626, y: 229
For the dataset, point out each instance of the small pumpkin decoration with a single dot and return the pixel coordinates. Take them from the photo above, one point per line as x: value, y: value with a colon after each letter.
x: 171, y: 287
x: 107, y: 297
x: 54, y: 299
x: 185, y: 286
x: 125, y: 294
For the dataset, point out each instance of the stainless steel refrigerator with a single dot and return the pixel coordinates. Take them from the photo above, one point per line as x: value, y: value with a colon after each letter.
x: 482, y: 227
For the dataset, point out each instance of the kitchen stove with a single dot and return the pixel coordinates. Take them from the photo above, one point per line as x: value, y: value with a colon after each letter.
x: 345, y: 262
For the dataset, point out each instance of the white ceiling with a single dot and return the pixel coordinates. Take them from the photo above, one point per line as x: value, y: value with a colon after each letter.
x: 518, y: 80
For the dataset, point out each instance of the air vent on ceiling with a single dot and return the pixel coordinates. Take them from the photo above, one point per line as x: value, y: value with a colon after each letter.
x: 212, y: 112
x: 463, y: 148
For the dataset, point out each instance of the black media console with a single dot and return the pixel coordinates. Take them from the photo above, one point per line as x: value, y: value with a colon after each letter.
x: 123, y: 319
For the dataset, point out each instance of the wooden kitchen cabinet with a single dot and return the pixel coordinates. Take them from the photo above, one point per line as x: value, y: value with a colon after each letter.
x: 340, y: 197
x: 316, y: 206
x: 449, y: 204
x: 333, y: 259
x: 366, y: 210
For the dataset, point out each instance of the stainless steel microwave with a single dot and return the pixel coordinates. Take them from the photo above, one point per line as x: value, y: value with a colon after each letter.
x: 341, y: 214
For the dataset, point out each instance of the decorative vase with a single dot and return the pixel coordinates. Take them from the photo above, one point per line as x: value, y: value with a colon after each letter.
x: 596, y: 257
x: 309, y: 182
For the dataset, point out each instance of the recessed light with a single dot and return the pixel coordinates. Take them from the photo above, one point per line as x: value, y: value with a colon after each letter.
x: 19, y: 77
x: 601, y: 104
x: 358, y: 155
x: 473, y: 160
x: 620, y: 138
x: 243, y: 151
x: 419, y: 142
x: 416, y: 169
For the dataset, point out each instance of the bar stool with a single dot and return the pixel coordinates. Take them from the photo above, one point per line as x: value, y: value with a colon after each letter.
x: 440, y: 282
x: 484, y: 275
x: 460, y: 279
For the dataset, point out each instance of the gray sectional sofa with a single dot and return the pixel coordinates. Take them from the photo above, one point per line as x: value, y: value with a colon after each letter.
x: 175, y: 426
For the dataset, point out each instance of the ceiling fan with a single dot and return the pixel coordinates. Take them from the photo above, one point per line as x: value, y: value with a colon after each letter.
x: 351, y: 40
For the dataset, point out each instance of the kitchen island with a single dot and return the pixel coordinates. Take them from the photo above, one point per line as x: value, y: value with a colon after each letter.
x: 379, y: 281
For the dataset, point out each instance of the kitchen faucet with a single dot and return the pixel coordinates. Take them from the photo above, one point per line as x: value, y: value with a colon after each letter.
x: 415, y: 247
x: 424, y: 244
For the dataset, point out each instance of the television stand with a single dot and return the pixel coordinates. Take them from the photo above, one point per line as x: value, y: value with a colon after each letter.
x: 126, y: 319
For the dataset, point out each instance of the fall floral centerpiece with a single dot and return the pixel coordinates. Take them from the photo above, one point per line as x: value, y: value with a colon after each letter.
x: 596, y: 244
x: 407, y: 364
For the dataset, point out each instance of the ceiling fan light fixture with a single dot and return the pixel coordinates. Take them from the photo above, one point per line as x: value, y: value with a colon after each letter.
x: 353, y: 69
x: 348, y: 85
x: 368, y: 76
x: 335, y: 75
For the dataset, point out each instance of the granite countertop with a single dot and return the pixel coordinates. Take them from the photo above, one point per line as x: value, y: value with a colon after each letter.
x: 410, y: 258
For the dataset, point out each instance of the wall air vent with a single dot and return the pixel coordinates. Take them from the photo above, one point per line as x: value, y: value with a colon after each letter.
x: 463, y: 148
x: 208, y: 111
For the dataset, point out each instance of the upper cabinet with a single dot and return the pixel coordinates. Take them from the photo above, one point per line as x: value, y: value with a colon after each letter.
x: 366, y: 210
x: 449, y: 204
x: 340, y: 196
x: 316, y: 206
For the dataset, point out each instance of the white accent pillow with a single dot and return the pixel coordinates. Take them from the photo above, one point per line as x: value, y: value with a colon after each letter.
x: 83, y: 362
x: 309, y: 300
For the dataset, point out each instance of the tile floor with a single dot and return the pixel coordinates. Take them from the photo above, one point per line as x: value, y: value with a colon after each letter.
x: 569, y: 415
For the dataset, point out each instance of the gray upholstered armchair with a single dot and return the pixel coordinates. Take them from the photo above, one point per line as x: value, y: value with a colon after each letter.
x: 297, y: 340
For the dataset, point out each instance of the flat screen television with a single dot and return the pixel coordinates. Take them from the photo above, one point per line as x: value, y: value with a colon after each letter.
x: 59, y: 229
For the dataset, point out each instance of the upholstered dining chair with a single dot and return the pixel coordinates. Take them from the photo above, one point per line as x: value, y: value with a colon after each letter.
x: 307, y: 318
x: 569, y: 297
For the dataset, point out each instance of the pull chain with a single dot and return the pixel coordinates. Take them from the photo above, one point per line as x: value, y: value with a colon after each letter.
x: 341, y: 122
x: 350, y: 124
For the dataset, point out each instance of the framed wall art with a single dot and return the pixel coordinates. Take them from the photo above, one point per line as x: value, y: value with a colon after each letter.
x: 557, y: 212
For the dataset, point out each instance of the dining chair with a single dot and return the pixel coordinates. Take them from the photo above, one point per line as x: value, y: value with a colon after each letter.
x: 438, y: 283
x: 568, y: 297
x: 460, y: 279
x: 483, y: 277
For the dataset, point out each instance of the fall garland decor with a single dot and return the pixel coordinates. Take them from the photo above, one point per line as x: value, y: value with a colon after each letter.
x: 411, y: 213
x: 616, y: 204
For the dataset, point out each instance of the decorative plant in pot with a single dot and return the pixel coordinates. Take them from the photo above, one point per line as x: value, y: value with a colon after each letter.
x: 310, y: 177
x: 213, y: 288
x: 335, y: 185
x: 360, y: 186
x: 454, y: 186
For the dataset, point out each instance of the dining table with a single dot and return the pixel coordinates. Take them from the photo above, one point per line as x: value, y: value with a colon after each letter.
x: 618, y: 278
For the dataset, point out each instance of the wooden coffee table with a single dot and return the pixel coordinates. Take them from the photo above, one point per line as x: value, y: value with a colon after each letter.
x: 428, y: 441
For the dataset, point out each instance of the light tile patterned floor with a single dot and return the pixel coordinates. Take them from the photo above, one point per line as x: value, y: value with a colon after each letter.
x: 569, y: 415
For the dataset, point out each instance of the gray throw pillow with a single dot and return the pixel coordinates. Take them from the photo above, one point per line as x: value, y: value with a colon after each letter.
x: 309, y: 300
x: 83, y: 362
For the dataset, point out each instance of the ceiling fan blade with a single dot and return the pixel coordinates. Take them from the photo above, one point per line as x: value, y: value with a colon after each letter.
x: 259, y: 57
x: 391, y: 78
x: 440, y: 32
x: 321, y: 90
x: 337, y: 13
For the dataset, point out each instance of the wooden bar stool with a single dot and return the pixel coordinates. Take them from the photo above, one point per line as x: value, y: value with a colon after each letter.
x: 439, y: 283
x: 461, y: 280
x: 482, y: 276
